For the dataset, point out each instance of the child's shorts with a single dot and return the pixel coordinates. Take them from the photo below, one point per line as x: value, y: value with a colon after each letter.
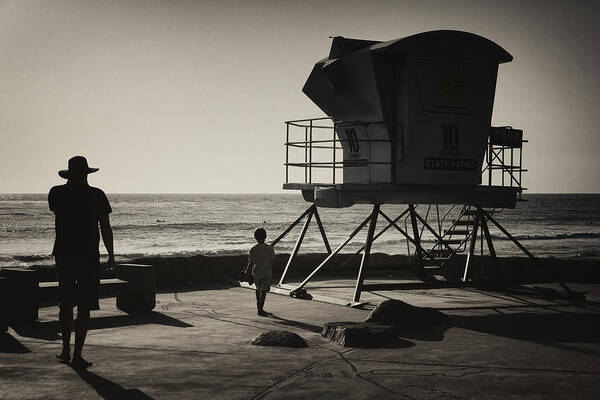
x: 263, y: 285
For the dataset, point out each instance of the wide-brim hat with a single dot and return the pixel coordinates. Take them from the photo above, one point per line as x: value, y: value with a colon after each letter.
x: 78, y: 166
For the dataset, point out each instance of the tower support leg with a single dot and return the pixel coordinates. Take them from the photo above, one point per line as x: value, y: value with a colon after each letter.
x: 515, y: 241
x: 297, y: 246
x: 490, y: 244
x: 472, y: 245
x: 309, y: 210
x: 366, y: 254
x: 381, y: 232
x: 508, y: 235
x: 330, y: 256
x: 321, y: 229
x: 417, y: 242
x: 404, y: 233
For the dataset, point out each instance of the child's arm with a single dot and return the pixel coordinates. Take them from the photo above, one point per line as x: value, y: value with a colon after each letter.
x: 250, y: 261
x: 248, y: 267
x: 246, y: 273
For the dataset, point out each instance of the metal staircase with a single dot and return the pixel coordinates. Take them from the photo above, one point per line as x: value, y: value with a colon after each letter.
x: 454, y: 233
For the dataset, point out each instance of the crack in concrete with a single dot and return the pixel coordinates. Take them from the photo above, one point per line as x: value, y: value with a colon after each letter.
x: 294, y: 375
x: 308, y: 367
x: 487, y: 367
x: 437, y: 392
x: 419, y: 372
x: 360, y: 376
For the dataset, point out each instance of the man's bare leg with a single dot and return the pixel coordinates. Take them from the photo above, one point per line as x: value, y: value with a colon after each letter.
x: 65, y: 317
x: 81, y: 328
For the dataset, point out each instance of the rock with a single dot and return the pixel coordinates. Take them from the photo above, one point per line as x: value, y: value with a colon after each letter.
x: 279, y: 338
x: 359, y: 334
x: 405, y: 316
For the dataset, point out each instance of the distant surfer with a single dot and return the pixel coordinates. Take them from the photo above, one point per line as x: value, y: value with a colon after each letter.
x: 78, y: 208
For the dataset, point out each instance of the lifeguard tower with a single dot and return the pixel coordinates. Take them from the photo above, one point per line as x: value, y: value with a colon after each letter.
x: 408, y: 122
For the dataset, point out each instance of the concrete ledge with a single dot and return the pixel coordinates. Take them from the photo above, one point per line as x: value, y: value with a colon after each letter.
x: 140, y: 296
x: 108, y: 287
x: 3, y: 304
x: 22, y: 294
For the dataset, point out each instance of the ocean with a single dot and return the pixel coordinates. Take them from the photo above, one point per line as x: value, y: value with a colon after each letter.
x: 549, y: 225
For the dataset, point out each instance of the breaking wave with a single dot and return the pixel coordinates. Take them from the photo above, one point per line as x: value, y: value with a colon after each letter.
x: 32, y: 258
x: 551, y: 236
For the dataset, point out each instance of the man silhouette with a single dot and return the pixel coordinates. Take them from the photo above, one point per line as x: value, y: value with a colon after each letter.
x: 78, y: 208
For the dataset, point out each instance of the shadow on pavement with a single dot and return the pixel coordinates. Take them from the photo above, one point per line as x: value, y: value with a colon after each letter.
x: 110, y: 390
x: 38, y: 330
x: 50, y: 330
x: 195, y: 287
x: 431, y: 333
x: 153, y: 317
x: 398, y: 343
x: 9, y: 344
x: 412, y: 322
x: 296, y: 324
x: 544, y: 327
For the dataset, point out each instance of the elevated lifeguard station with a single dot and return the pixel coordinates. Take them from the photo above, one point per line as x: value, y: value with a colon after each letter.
x: 408, y: 122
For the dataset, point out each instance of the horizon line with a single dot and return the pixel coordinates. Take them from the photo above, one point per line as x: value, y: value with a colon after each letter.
x: 261, y: 193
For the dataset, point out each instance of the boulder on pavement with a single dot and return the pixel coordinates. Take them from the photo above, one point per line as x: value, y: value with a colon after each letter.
x: 406, y: 316
x: 279, y: 338
x: 359, y: 334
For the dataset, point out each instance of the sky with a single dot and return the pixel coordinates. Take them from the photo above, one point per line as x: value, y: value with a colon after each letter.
x: 191, y: 96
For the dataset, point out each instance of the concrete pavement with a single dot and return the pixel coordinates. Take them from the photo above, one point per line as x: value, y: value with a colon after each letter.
x: 196, y: 344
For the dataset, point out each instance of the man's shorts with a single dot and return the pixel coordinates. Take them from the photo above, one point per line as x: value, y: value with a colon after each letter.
x: 78, y: 282
x: 263, y: 285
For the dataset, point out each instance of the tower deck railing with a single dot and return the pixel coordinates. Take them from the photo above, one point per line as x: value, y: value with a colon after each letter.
x: 317, y: 135
x: 322, y: 128
x: 312, y: 144
x: 504, y: 158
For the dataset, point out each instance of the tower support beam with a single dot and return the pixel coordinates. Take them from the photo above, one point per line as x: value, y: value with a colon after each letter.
x: 417, y: 237
x: 472, y: 245
x: 296, y: 247
x: 480, y: 227
x: 330, y: 256
x: 366, y: 254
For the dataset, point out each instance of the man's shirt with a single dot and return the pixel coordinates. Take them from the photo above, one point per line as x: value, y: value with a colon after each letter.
x: 78, y: 209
